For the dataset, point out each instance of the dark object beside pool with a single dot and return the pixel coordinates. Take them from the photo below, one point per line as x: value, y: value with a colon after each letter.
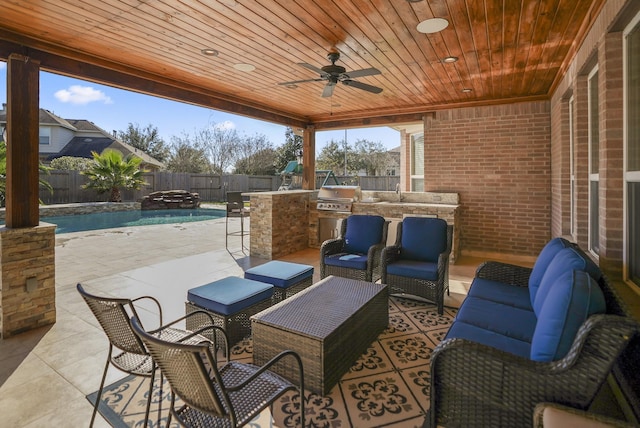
x: 169, y: 199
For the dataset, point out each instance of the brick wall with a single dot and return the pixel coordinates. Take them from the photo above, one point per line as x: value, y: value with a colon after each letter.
x: 498, y: 159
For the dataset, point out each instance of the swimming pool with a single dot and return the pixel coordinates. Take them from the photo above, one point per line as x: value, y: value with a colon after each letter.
x: 108, y: 220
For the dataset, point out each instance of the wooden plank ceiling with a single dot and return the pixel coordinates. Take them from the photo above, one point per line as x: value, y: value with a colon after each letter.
x: 507, y: 50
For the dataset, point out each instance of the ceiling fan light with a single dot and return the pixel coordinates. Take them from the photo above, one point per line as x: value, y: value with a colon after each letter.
x: 432, y: 25
x: 209, y: 52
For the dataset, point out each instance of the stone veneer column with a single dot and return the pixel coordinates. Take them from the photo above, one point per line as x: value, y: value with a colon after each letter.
x: 279, y: 223
x: 27, y: 280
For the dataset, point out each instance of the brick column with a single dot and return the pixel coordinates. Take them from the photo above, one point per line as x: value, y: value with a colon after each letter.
x: 27, y: 280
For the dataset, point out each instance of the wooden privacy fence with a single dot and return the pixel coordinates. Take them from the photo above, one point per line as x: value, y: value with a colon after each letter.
x: 67, y: 185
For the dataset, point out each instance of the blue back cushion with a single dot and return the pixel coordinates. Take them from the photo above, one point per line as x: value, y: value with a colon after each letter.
x: 565, y: 260
x: 423, y: 238
x: 542, y: 262
x: 573, y: 298
x: 363, y: 231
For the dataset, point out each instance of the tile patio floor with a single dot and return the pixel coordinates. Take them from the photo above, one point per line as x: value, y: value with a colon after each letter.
x: 45, y: 374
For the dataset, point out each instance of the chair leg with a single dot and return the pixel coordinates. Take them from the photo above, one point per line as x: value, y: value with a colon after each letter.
x: 149, y: 397
x: 99, y: 396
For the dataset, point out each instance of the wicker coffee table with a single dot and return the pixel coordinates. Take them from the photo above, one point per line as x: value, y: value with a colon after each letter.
x: 330, y: 325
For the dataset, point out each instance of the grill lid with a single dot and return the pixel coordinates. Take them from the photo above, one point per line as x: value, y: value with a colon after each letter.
x: 339, y: 193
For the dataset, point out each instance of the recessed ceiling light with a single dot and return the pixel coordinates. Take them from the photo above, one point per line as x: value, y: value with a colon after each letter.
x: 467, y: 90
x: 414, y: 1
x: 291, y: 86
x: 450, y: 59
x: 209, y: 52
x: 432, y: 25
x: 244, y: 67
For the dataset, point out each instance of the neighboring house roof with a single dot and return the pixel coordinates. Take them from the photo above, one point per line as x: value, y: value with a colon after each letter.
x: 82, y: 147
x: 48, y: 118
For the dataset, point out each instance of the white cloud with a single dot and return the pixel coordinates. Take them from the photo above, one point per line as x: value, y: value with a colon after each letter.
x: 227, y: 124
x: 81, y: 95
x: 3, y: 65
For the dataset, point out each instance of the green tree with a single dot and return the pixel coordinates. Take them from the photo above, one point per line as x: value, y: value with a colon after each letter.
x: 110, y: 171
x: 146, y: 139
x: 70, y: 163
x: 332, y: 157
x: 371, y: 157
x: 186, y: 156
x: 287, y: 152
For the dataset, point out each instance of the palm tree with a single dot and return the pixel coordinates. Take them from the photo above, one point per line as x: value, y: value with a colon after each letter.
x: 110, y: 171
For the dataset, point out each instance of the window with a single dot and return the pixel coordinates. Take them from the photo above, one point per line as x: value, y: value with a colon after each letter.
x: 45, y: 136
x: 594, y: 162
x: 417, y: 163
x: 572, y: 174
x: 632, y: 149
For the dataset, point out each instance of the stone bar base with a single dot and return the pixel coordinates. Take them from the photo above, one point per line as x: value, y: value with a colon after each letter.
x: 279, y: 223
x: 27, y: 278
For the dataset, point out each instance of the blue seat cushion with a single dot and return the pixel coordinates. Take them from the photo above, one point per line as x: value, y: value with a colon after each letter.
x: 573, y: 298
x: 229, y: 295
x: 279, y: 274
x: 565, y: 260
x: 503, y: 319
x: 500, y: 292
x: 414, y: 269
x: 542, y: 263
x: 462, y: 330
x: 362, y: 232
x: 349, y: 261
x: 423, y: 238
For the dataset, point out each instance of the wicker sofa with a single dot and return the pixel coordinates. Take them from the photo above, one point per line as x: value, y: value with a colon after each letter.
x: 524, y: 336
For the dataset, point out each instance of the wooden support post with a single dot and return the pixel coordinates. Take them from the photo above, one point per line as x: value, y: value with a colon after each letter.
x: 23, y: 85
x: 309, y: 159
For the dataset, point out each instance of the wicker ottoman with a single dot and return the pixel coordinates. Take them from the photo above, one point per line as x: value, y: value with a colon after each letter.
x: 230, y: 301
x: 330, y: 325
x: 287, y: 278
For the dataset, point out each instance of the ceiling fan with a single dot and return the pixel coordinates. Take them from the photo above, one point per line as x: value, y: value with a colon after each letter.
x: 333, y: 74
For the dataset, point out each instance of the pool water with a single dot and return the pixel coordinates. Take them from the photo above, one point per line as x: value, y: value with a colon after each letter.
x: 108, y: 220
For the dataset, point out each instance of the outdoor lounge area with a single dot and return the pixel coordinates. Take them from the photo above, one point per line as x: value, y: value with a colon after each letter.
x: 58, y: 366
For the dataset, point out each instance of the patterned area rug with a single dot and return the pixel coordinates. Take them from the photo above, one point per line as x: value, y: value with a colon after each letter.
x: 387, y: 387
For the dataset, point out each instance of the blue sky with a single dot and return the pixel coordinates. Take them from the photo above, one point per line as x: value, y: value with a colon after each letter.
x: 113, y: 109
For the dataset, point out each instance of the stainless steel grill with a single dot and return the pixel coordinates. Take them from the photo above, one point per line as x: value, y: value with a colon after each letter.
x: 337, y: 198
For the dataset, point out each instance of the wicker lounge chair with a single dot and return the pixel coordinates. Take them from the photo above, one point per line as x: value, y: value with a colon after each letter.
x: 473, y: 384
x: 418, y: 263
x: 356, y: 254
x: 114, y: 314
x: 214, y: 394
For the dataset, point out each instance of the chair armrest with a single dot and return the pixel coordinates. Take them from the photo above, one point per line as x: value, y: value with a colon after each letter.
x: 331, y: 246
x: 496, y: 388
x: 153, y: 299
x: 209, y: 331
x: 388, y: 255
x: 266, y: 366
x: 505, y: 273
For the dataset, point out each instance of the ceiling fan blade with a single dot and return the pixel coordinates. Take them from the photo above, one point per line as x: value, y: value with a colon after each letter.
x: 361, y: 73
x: 301, y: 81
x: 328, y: 90
x: 313, y: 68
x: 363, y: 86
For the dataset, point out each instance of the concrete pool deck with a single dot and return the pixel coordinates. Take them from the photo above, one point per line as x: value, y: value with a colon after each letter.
x: 45, y: 374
